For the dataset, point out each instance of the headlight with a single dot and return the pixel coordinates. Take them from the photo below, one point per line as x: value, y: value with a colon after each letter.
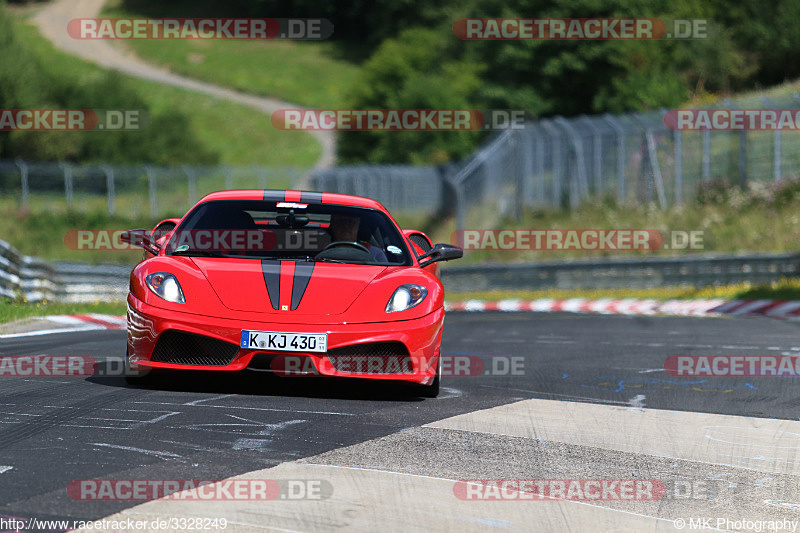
x: 166, y: 286
x: 406, y: 297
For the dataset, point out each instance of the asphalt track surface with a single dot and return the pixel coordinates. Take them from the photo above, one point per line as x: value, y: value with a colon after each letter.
x: 56, y: 430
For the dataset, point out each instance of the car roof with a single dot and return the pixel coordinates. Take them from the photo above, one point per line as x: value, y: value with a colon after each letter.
x: 307, y: 197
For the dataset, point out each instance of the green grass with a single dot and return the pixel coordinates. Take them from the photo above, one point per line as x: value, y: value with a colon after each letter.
x: 240, y: 135
x: 304, y: 73
x: 43, y: 234
x: 11, y: 310
x: 762, y: 220
x: 752, y: 99
x: 759, y: 220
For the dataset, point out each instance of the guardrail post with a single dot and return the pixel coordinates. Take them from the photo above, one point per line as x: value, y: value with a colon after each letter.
x: 597, y: 156
x: 743, y: 159
x: 519, y: 194
x: 776, y: 152
x: 110, y: 189
x: 191, y: 184
x: 555, y: 151
x: 652, y: 159
x: 580, y: 160
x: 539, y: 163
x: 67, y: 183
x: 228, y: 178
x: 706, y: 156
x: 677, y: 138
x: 23, y: 177
x: 622, y: 193
x: 742, y: 151
x: 450, y: 175
x: 152, y: 191
x: 527, y: 174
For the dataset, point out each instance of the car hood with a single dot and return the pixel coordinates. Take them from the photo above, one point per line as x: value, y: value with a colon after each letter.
x: 281, y: 287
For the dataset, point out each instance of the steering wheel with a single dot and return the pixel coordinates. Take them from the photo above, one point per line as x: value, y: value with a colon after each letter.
x: 352, y: 244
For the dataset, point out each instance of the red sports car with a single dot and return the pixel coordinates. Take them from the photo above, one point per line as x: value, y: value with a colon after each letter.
x: 292, y: 282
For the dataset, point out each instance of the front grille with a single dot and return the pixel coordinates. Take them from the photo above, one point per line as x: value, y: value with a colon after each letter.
x: 183, y: 348
x: 372, y: 358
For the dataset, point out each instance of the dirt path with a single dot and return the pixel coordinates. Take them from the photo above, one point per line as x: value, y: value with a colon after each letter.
x: 52, y: 21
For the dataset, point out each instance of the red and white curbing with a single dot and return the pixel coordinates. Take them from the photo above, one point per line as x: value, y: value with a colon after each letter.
x: 605, y: 306
x: 90, y: 321
x: 72, y: 323
x: 632, y: 306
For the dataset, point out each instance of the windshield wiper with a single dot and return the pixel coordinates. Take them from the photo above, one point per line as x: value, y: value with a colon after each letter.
x: 343, y: 261
x: 199, y: 253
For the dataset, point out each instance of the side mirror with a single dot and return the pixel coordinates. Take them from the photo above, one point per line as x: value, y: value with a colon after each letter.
x: 440, y: 252
x: 140, y: 238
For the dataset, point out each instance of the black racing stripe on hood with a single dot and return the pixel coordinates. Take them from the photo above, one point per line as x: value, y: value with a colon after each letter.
x: 302, y: 275
x: 274, y: 196
x: 272, y: 278
x: 308, y: 197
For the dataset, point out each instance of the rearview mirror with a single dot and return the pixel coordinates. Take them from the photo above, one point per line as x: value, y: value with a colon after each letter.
x: 140, y: 238
x: 440, y: 252
x: 291, y: 220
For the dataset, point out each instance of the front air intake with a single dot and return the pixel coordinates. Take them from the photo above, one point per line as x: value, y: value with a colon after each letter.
x: 181, y: 348
x: 372, y: 358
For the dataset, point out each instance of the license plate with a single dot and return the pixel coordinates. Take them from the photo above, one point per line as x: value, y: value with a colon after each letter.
x: 285, y: 342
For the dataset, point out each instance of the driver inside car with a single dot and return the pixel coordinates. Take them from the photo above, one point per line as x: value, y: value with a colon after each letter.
x: 345, y: 228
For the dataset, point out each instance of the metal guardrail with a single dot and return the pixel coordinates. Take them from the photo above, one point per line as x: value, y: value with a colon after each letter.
x: 703, y: 271
x: 35, y: 280
x: 552, y: 163
x: 132, y: 189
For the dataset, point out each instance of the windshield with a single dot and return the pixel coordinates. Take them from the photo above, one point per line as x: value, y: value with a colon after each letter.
x: 285, y: 230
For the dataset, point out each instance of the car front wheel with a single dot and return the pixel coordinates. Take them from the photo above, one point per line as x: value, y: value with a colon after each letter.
x: 432, y: 390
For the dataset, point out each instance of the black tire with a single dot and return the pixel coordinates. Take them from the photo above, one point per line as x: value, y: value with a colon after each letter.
x: 432, y: 390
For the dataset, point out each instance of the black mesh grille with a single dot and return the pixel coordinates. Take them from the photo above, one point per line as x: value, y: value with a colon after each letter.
x: 420, y: 241
x: 372, y: 358
x: 182, y: 348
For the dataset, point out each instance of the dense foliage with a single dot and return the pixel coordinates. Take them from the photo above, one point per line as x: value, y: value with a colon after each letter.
x: 412, y: 59
x: 25, y: 83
